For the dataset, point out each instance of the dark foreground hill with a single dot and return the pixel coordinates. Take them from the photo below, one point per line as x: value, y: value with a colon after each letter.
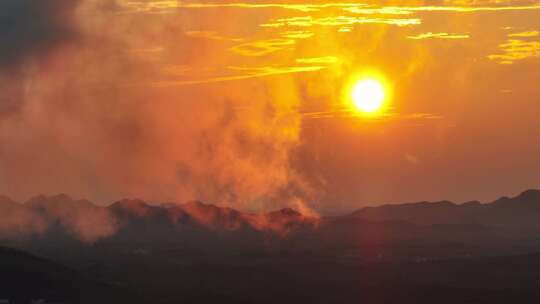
x: 25, y: 278
x: 272, y: 279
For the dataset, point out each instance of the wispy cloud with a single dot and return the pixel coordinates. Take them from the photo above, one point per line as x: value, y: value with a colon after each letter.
x: 417, y: 118
x: 242, y: 73
x: 402, y: 10
x: 262, y: 47
x: 317, y: 60
x: 371, y: 10
x: 358, y: 8
x: 149, y: 53
x: 307, y: 21
x: 145, y: 6
x: 525, y: 34
x: 515, y: 49
x: 210, y: 35
x: 297, y: 34
x: 431, y: 35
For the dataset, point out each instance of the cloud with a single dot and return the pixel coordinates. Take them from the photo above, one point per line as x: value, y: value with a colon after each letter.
x: 358, y: 8
x: 81, y: 218
x: 297, y: 34
x: 41, y: 215
x: 18, y: 220
x: 30, y: 31
x: 153, y: 6
x: 525, y: 34
x: 412, y: 159
x: 262, y: 47
x: 376, y: 118
x: 210, y: 35
x: 430, y: 35
x: 404, y: 10
x: 515, y: 49
x: 246, y: 73
x: 29, y: 28
x: 318, y: 60
x: 371, y: 10
x: 308, y: 21
x: 518, y: 46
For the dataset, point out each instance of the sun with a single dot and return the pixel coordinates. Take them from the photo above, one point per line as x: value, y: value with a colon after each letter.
x: 368, y: 95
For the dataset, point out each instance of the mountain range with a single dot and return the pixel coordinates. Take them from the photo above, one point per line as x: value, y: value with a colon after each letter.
x: 469, y: 228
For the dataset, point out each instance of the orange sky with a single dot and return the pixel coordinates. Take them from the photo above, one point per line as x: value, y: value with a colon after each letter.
x: 245, y: 104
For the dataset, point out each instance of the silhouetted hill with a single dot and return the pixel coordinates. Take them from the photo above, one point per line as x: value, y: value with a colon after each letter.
x: 521, y: 211
x: 25, y: 277
x: 439, y: 229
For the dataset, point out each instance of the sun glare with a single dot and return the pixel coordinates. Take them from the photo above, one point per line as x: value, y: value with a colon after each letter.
x: 368, y: 95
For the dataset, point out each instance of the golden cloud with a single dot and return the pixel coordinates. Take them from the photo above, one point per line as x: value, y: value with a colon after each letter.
x: 211, y: 35
x: 317, y: 60
x: 401, y: 10
x: 430, y: 35
x: 297, y: 34
x: 262, y: 47
x: 525, y: 34
x: 242, y: 73
x: 307, y: 21
x: 515, y: 49
x: 149, y: 6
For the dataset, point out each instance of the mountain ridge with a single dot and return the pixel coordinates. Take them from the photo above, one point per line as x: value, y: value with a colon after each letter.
x: 530, y: 195
x: 196, y: 224
x: 525, y: 205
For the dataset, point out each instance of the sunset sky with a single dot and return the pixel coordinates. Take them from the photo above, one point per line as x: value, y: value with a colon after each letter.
x: 249, y: 104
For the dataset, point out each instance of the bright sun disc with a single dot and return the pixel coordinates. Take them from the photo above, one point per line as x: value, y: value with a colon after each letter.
x: 368, y: 95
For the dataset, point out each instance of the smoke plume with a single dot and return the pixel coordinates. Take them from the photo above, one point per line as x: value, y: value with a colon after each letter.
x: 82, y: 112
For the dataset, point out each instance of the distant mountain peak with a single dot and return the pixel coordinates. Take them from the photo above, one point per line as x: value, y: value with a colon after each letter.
x: 471, y: 203
x: 530, y: 197
x: 129, y: 204
x: 531, y: 194
x: 196, y: 203
x: 288, y: 212
x: 168, y: 205
x: 61, y: 197
x: 57, y: 200
x: 55, y: 197
x: 6, y: 200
